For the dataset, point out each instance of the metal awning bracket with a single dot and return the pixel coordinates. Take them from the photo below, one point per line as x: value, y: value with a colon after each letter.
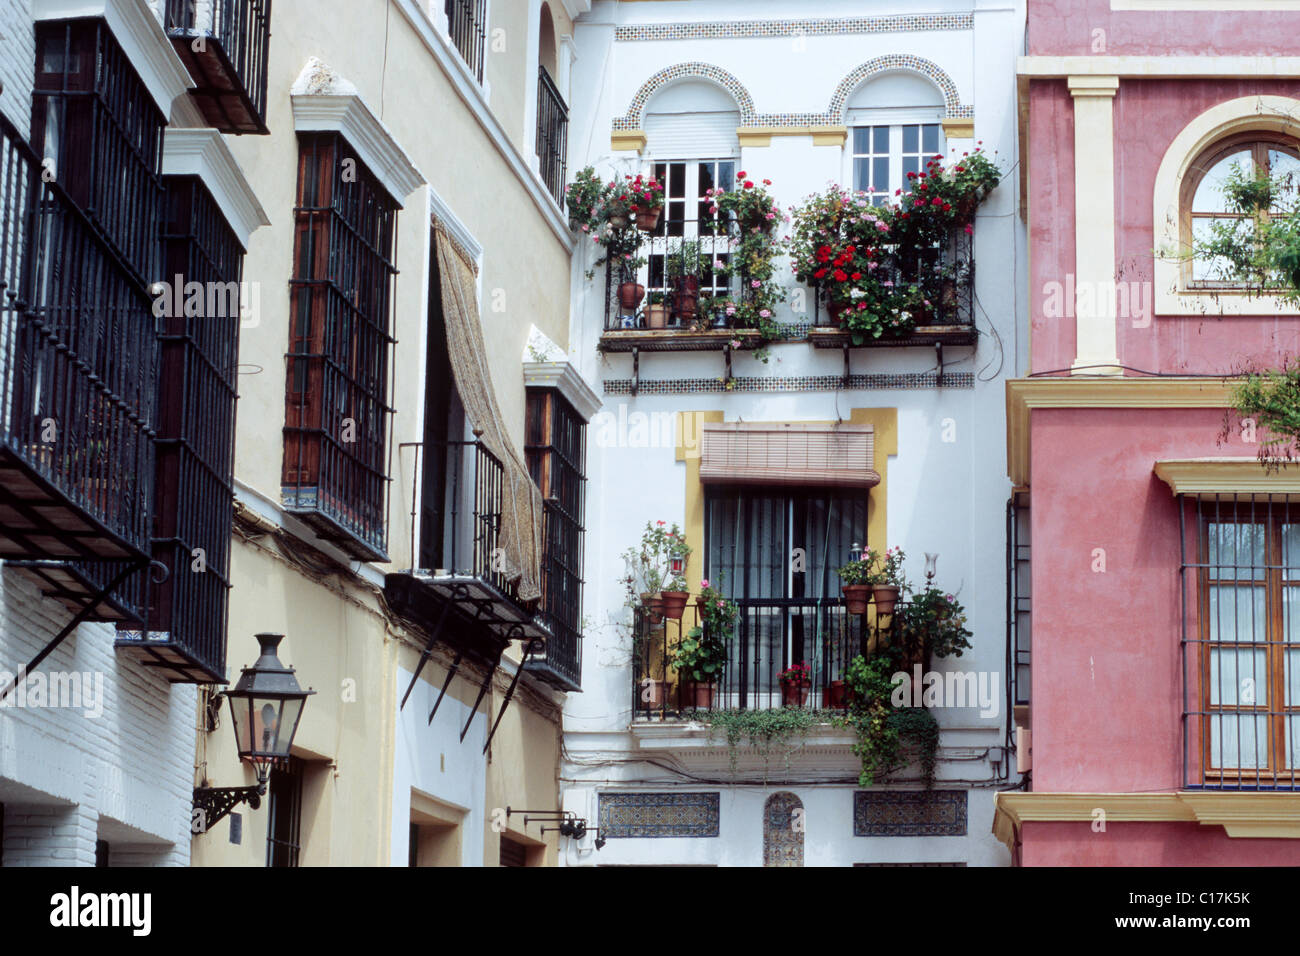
x: 536, y: 644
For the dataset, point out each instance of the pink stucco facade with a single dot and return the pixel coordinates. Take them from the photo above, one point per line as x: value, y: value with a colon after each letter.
x: 1107, y: 704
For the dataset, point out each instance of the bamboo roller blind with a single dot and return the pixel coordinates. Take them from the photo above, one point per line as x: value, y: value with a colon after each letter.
x: 840, y: 456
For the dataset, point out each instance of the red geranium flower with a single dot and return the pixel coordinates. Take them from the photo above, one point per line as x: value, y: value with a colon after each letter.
x: 840, y: 275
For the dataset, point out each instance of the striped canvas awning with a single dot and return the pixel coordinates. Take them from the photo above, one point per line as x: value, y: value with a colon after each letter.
x: 840, y: 456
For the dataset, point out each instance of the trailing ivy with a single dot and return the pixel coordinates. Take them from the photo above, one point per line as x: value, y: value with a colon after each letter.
x: 768, y: 731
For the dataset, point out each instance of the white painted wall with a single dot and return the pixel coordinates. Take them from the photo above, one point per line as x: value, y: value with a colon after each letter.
x: 945, y: 497
x: 66, y: 775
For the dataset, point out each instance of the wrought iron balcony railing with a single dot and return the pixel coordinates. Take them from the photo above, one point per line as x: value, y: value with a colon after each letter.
x: 770, y: 635
x: 78, y: 376
x: 552, y: 133
x: 225, y: 45
x: 467, y: 27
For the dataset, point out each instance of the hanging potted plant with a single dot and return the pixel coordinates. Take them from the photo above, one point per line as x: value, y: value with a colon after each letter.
x: 675, y: 594
x: 647, y: 201
x: 584, y: 197
x: 795, y: 681
x: 646, y: 565
x: 752, y: 207
x: 855, y: 577
x: 887, y: 580
x: 630, y: 292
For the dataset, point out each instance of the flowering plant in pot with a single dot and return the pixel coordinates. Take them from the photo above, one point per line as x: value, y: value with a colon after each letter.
x: 795, y: 681
x: 855, y: 581
x: 886, y: 579
x: 647, y: 567
x: 717, y: 613
x: 657, y: 311
x: 752, y: 207
x: 584, y: 197
x: 932, y: 623
x: 647, y: 195
x: 682, y: 270
x: 676, y: 551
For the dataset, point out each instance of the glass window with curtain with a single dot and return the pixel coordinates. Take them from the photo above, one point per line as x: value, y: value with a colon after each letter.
x: 774, y: 551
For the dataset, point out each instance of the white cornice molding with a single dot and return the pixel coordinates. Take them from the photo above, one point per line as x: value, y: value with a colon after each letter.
x: 1215, y: 476
x: 568, y: 381
x: 204, y: 153
x: 474, y: 98
x: 576, y: 8
x: 141, y: 37
x: 324, y: 100
x: 1173, y: 67
x: 439, y: 210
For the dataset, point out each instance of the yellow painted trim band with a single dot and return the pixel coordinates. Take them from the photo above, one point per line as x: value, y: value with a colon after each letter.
x: 1241, y: 814
x: 1203, y: 476
x: 1026, y: 394
x: 627, y: 140
x: 822, y: 135
x: 958, y: 128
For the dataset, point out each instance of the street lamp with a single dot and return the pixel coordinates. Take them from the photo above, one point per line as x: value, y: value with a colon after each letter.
x: 265, y: 707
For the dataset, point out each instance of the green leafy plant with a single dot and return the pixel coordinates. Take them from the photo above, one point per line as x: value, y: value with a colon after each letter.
x: 1272, y: 399
x: 717, y: 613
x: 887, y: 736
x: 700, y: 656
x: 1257, y: 249
x: 583, y: 196
x: 767, y: 730
x: 932, y: 622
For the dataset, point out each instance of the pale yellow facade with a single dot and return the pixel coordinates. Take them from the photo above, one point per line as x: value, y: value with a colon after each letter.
x: 478, y: 160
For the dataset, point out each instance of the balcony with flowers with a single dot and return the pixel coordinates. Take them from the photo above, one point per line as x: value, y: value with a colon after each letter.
x: 715, y: 273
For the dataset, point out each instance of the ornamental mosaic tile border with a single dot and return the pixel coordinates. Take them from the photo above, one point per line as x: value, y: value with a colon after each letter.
x: 820, y: 26
x: 834, y: 114
x: 909, y: 813
x: 647, y: 815
x: 794, y: 383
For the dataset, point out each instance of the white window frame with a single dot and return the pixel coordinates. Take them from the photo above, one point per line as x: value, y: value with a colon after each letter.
x: 895, y: 119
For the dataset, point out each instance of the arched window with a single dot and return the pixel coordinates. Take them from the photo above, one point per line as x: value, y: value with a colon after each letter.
x: 693, y: 146
x: 552, y: 111
x: 1204, y: 202
x: 894, y: 120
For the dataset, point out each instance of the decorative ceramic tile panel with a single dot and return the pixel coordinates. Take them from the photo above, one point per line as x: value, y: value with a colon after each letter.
x: 909, y: 813
x: 832, y: 116
x: 810, y: 27
x: 783, y: 830
x: 641, y: 815
x: 791, y: 383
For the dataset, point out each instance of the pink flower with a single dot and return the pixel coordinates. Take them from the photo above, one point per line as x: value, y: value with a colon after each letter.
x: 969, y: 229
x: 771, y: 215
x: 754, y: 283
x: 765, y: 313
x: 659, y: 523
x: 704, y: 583
x: 735, y: 343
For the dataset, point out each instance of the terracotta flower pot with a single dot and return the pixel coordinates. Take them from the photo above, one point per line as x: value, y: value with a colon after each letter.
x: 856, y: 597
x: 653, y: 694
x: 793, y: 695
x: 630, y: 295
x: 657, y: 317
x: 654, y: 608
x: 885, y: 596
x: 685, y: 305
x: 837, y: 694
x: 836, y: 311
x: 675, y: 604
x: 696, y: 694
x: 619, y: 220
x: 648, y: 219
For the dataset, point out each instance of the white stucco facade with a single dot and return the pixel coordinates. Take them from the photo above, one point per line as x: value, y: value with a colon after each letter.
x: 947, y: 490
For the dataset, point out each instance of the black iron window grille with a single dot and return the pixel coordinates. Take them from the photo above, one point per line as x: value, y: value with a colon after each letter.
x: 556, y: 449
x: 78, y: 375
x: 464, y: 487
x: 1241, y: 641
x: 196, y: 430
x: 336, y: 410
x: 467, y: 26
x: 552, y: 134
x: 224, y: 45
x: 284, y: 815
x: 100, y: 134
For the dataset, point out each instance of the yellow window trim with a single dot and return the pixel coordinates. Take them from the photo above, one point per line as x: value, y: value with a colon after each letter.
x: 1241, y: 814
x: 1026, y: 394
x: 1208, y: 476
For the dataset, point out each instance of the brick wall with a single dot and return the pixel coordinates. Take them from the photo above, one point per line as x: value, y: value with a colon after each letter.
x: 132, y: 765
